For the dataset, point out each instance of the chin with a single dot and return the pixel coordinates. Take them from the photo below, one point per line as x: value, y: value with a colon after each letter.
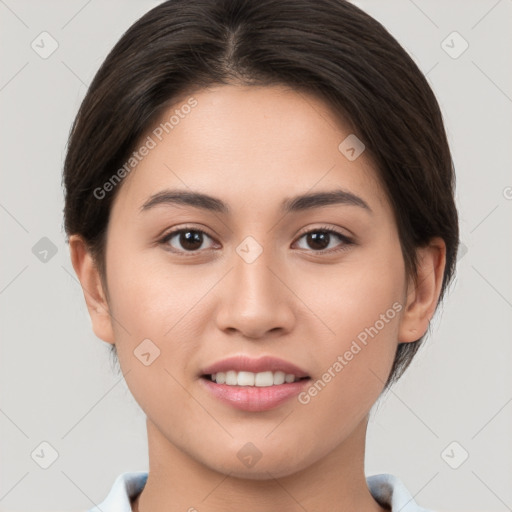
x: 263, y: 472
x: 263, y: 468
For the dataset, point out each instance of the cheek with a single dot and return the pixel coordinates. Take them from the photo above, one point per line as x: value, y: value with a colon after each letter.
x: 155, y: 325
x: 352, y: 296
x: 151, y: 300
x: 360, y: 307
x: 141, y: 286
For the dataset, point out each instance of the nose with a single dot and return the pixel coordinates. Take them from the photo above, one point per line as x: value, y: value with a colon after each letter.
x: 255, y: 300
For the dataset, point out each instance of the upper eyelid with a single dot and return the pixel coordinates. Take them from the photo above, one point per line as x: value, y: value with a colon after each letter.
x: 329, y: 229
x: 175, y: 231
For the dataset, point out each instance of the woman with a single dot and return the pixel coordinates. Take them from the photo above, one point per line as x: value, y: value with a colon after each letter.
x: 260, y: 210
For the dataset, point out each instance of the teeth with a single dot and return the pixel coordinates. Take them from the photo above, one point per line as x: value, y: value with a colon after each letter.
x: 231, y: 378
x: 262, y: 379
x: 289, y: 378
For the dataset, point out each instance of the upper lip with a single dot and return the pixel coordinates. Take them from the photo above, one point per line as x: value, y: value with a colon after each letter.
x: 245, y: 363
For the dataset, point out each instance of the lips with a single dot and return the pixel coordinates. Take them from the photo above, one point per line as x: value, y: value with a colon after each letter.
x: 258, y: 395
x: 243, y: 363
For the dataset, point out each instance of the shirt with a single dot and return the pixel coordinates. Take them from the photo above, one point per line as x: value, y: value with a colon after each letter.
x: 388, y: 490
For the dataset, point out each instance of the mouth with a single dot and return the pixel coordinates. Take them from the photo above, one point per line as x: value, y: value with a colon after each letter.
x: 260, y: 379
x: 253, y: 385
x: 254, y: 398
x: 248, y: 384
x: 243, y: 370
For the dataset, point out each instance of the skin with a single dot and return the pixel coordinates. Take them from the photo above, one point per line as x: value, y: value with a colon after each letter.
x: 252, y: 147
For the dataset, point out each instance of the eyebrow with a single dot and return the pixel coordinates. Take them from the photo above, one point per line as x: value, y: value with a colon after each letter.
x: 289, y: 205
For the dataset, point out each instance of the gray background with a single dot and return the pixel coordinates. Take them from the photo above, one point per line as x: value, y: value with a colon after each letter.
x: 57, y: 385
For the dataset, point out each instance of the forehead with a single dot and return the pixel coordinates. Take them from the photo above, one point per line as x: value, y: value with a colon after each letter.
x: 250, y: 146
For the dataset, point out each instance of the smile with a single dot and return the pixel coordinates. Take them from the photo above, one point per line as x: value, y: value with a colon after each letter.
x: 261, y: 379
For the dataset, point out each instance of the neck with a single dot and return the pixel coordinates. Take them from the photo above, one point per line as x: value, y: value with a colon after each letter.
x: 177, y: 482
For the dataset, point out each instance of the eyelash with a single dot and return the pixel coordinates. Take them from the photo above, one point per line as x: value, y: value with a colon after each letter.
x: 346, y: 241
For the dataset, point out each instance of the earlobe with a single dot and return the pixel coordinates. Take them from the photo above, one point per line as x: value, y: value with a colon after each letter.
x: 424, y: 291
x: 95, y: 297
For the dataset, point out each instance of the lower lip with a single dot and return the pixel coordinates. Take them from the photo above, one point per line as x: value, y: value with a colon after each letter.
x: 252, y: 398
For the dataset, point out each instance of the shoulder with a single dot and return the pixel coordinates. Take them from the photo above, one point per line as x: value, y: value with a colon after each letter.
x: 125, y: 488
x: 389, y: 491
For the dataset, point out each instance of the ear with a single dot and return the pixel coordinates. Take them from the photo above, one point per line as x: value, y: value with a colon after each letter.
x: 423, y: 293
x: 95, y: 297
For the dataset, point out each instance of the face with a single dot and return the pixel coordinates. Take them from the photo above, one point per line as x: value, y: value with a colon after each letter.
x: 318, y: 284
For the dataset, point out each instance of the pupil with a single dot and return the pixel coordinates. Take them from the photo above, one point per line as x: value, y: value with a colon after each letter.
x: 191, y: 240
x: 319, y: 238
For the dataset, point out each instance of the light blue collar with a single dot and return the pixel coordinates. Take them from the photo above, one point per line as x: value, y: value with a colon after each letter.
x: 388, y: 490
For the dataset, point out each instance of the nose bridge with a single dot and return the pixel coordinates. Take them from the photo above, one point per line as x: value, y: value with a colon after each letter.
x: 256, y: 300
x: 252, y: 266
x: 252, y: 274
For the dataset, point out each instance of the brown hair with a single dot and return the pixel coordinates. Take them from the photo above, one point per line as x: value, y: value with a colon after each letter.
x: 329, y: 48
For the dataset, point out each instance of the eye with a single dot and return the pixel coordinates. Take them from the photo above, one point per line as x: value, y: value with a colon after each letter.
x: 186, y: 240
x: 321, y: 239
x: 192, y: 240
